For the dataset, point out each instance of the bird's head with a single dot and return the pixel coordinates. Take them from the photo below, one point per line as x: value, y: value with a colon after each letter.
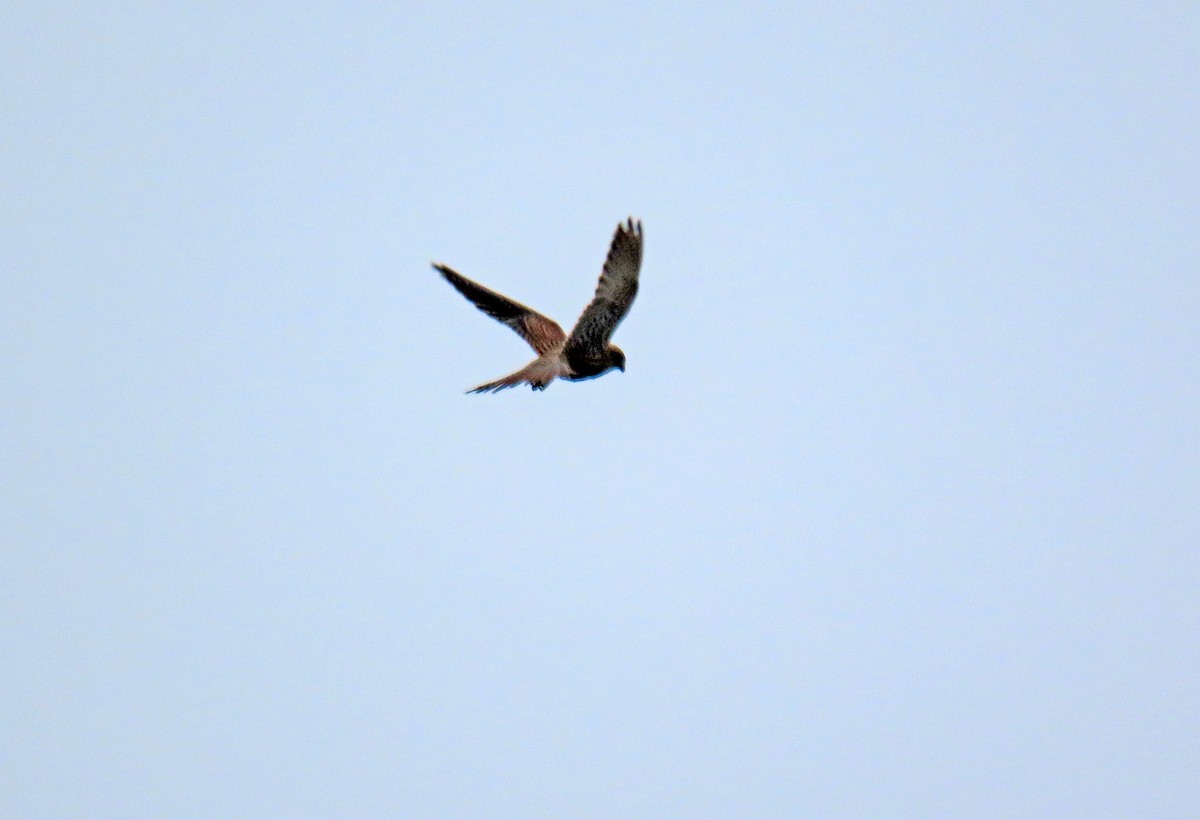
x: 616, y: 358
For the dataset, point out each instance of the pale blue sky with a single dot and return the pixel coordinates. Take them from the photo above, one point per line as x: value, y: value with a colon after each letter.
x: 896, y: 512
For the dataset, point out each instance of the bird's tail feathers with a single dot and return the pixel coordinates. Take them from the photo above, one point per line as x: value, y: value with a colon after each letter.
x: 539, y: 373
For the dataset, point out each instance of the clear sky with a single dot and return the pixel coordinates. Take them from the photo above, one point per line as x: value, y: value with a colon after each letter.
x: 895, y: 513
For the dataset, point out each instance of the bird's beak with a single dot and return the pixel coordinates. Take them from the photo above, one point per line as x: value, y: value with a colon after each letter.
x: 621, y: 368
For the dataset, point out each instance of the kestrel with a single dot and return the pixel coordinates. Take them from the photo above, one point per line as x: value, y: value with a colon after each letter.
x: 586, y: 353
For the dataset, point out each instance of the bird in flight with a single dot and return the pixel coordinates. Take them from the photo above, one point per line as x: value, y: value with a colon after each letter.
x: 587, y: 352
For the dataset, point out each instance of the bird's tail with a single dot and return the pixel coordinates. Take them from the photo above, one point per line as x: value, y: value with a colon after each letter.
x: 539, y: 373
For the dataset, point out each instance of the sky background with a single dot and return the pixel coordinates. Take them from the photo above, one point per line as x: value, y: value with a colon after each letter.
x: 895, y: 513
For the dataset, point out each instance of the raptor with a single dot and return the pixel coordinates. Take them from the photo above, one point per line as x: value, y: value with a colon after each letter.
x: 587, y: 352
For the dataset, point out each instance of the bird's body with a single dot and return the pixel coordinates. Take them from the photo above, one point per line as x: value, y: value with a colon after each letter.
x: 586, y: 353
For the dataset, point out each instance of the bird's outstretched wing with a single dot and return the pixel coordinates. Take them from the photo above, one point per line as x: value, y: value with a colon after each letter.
x: 614, y: 294
x: 541, y: 332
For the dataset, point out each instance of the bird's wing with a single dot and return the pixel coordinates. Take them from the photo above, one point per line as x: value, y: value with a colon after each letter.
x: 541, y: 332
x: 614, y: 294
